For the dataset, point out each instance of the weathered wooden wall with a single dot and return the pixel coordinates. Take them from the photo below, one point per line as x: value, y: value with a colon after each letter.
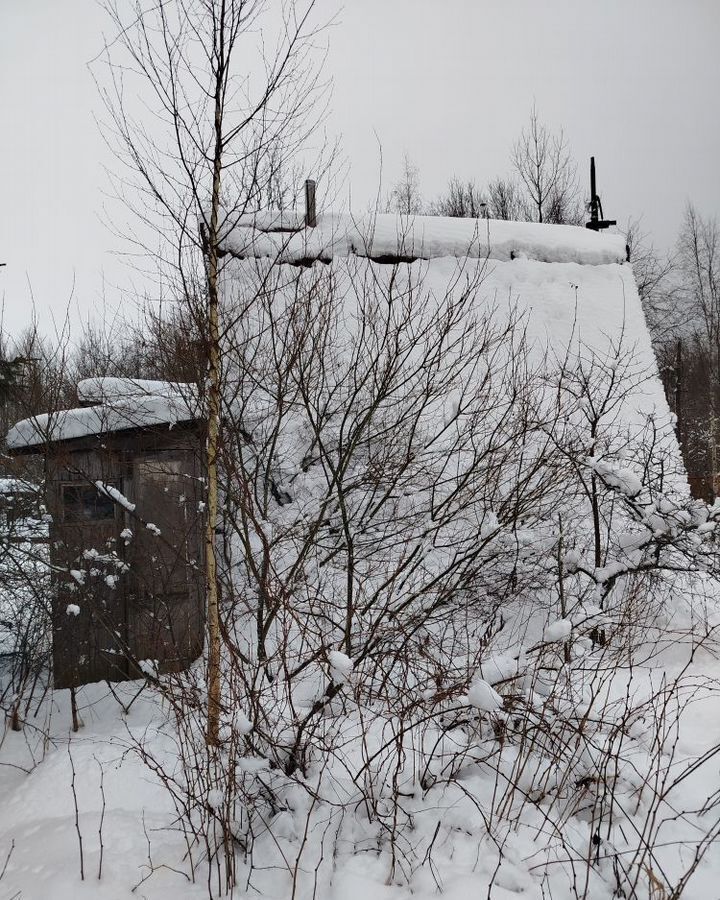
x: 154, y: 608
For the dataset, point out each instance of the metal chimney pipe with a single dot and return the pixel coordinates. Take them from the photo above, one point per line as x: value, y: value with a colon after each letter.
x: 310, y: 214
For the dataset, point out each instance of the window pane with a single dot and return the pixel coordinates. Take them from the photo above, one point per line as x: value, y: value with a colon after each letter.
x: 84, y: 503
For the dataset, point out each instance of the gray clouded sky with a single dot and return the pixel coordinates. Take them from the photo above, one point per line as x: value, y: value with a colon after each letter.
x: 451, y: 83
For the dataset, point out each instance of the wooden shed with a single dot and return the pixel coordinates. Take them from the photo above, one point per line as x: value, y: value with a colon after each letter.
x: 125, y: 489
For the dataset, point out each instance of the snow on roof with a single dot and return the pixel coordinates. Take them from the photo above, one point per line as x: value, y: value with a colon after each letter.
x: 418, y: 237
x: 109, y: 390
x: 122, y: 414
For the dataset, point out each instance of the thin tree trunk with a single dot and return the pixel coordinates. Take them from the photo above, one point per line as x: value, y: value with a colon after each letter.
x: 213, y: 426
x: 213, y: 611
x: 678, y: 391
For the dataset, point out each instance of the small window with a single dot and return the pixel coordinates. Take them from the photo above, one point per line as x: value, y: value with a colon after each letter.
x: 84, y: 503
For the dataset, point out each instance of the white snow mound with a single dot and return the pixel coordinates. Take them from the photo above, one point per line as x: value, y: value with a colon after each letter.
x: 483, y: 696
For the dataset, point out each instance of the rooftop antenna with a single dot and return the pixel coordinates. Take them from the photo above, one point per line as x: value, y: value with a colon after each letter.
x: 597, y: 222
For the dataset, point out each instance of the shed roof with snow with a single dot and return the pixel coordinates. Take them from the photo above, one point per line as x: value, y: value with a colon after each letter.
x: 108, y: 406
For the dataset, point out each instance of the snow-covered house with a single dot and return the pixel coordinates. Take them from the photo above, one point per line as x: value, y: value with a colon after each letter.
x: 124, y: 489
x: 124, y: 475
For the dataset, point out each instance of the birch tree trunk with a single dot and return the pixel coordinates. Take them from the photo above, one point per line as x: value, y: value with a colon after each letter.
x: 213, y: 440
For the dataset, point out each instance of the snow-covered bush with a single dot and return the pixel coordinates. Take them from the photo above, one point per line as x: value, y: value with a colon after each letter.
x: 446, y: 555
x: 443, y: 554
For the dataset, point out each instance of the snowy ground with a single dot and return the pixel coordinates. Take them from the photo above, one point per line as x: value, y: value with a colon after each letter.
x: 125, y: 818
x: 38, y: 827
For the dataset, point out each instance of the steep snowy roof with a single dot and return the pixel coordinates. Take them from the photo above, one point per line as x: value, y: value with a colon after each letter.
x: 418, y: 237
x: 125, y: 405
x: 572, y: 287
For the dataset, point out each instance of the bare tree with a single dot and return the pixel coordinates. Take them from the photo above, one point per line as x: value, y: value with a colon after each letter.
x: 546, y: 189
x: 405, y: 197
x: 462, y: 199
x: 654, y: 277
x: 698, y: 255
x: 505, y: 201
x: 690, y: 357
x: 222, y: 112
x: 547, y: 172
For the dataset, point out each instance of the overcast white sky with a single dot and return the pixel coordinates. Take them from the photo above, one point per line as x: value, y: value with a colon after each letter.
x: 634, y: 82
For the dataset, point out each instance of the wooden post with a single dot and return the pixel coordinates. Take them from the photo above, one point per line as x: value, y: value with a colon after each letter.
x: 310, y: 215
